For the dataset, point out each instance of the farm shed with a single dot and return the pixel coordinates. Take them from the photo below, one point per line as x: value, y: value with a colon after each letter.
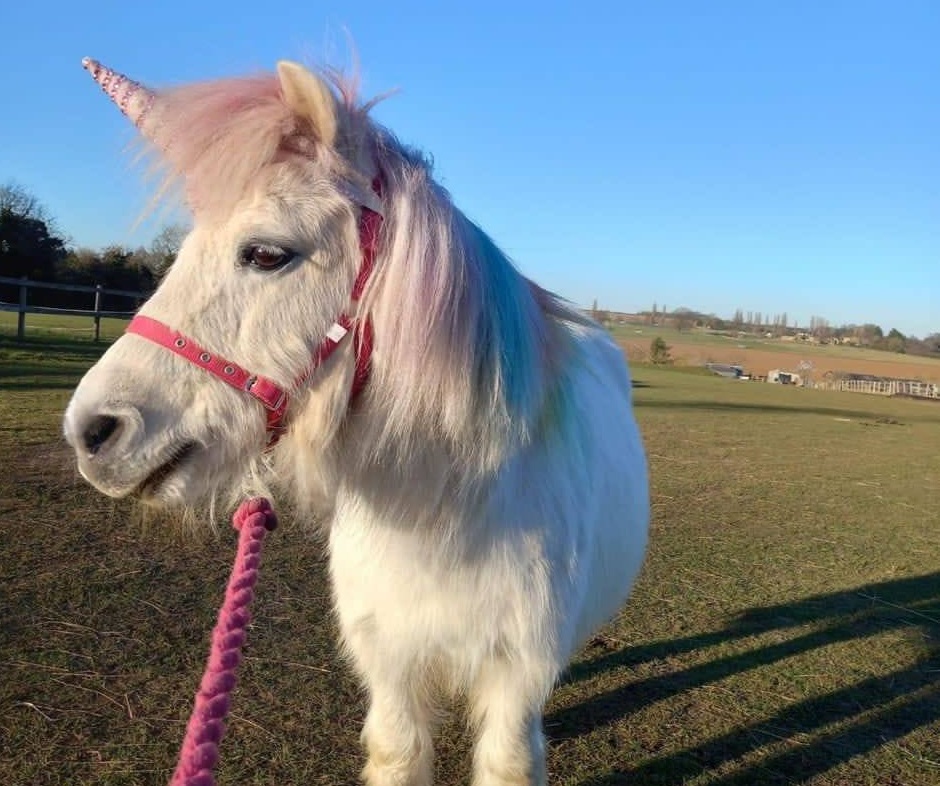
x: 726, y: 370
x: 780, y: 377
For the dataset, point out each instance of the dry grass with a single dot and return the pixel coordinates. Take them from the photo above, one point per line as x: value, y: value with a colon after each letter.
x: 786, y: 628
x: 758, y: 356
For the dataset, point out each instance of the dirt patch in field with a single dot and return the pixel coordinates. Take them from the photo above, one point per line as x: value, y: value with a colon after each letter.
x: 760, y: 361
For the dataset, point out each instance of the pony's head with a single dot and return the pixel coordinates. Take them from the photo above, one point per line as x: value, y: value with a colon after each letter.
x: 278, y: 174
x: 292, y: 189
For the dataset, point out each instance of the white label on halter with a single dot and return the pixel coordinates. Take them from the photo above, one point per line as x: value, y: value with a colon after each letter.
x: 336, y: 333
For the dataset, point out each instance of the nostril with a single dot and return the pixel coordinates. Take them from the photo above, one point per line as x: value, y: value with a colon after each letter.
x: 99, y: 431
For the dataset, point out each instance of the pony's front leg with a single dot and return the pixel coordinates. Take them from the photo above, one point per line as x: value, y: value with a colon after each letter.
x: 397, y: 737
x: 506, y: 707
x: 397, y: 734
x: 397, y: 730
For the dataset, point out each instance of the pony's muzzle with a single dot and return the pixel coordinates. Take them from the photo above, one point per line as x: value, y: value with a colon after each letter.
x: 95, y: 435
x: 103, y: 441
x: 101, y: 431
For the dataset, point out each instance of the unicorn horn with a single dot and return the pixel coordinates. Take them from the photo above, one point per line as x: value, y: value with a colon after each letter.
x: 132, y: 98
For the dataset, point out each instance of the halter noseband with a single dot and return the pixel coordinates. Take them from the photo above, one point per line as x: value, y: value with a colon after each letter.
x: 274, y: 398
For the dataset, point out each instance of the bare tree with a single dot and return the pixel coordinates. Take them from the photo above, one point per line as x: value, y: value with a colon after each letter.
x: 683, y: 320
x: 15, y: 199
x: 30, y: 244
x: 166, y: 246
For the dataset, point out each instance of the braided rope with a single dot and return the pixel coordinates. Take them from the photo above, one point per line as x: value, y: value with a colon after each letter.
x: 200, y: 750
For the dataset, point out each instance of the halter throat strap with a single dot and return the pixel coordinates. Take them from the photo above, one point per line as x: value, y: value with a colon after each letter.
x: 273, y: 397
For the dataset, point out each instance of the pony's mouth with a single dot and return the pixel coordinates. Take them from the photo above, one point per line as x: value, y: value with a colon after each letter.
x: 152, y: 484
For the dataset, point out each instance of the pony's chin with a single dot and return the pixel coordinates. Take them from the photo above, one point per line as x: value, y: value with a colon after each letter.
x: 174, y: 491
x: 172, y: 481
x: 166, y: 484
x: 192, y: 482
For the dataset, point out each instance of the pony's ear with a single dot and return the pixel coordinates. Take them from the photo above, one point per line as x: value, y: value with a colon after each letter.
x: 310, y: 98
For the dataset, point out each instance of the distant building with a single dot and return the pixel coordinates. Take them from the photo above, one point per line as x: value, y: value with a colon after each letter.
x: 779, y: 377
x: 726, y: 370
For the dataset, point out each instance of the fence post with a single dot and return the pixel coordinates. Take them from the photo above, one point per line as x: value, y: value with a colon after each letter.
x: 97, y: 311
x: 21, y: 314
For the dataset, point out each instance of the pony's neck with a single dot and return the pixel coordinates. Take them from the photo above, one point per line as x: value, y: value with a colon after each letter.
x: 465, y: 368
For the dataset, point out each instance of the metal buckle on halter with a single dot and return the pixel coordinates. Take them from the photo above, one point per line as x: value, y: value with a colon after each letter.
x: 250, y: 383
x: 280, y: 401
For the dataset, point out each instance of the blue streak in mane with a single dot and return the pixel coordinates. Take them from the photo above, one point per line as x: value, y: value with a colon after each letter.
x: 512, y: 329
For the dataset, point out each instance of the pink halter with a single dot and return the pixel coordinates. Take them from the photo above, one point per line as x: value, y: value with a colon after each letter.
x: 274, y: 398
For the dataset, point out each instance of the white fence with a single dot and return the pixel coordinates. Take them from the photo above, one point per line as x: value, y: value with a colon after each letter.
x: 885, y: 387
x: 23, y: 307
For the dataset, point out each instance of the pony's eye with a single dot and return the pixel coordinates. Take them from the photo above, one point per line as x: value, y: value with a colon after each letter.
x: 265, y: 257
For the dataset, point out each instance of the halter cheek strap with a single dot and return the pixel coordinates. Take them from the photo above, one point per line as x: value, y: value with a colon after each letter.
x: 274, y: 398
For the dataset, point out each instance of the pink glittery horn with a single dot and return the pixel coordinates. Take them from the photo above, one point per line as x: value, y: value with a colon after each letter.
x: 132, y: 98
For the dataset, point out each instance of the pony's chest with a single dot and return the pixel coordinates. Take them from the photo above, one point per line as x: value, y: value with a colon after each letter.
x: 408, y: 588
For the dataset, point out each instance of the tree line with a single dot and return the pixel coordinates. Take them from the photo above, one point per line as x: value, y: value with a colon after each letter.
x: 32, y: 245
x: 778, y: 325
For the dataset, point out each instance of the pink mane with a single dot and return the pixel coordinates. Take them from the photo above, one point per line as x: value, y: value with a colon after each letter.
x: 218, y: 136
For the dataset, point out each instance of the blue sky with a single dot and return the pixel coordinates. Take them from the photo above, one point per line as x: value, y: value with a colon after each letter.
x: 769, y: 156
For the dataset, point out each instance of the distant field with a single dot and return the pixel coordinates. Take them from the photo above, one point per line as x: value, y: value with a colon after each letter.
x: 759, y: 356
x: 785, y: 629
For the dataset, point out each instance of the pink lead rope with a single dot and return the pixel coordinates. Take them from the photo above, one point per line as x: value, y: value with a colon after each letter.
x: 254, y: 517
x: 200, y: 750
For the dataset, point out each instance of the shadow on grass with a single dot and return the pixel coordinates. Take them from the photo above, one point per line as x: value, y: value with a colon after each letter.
x: 869, y: 713
x: 69, y: 349
x: 35, y: 377
x: 45, y: 363
x: 26, y: 385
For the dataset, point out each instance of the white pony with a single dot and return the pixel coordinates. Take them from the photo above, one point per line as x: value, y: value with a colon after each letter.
x: 465, y: 440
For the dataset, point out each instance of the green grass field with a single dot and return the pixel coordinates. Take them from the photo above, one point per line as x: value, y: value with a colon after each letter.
x: 785, y: 629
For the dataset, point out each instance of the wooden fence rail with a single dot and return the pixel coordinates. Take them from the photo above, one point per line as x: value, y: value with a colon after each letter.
x: 23, y: 307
